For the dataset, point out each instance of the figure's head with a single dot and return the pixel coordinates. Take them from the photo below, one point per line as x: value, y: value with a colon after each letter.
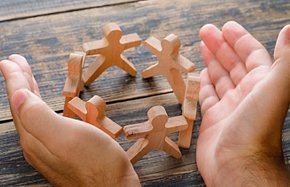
x: 75, y: 64
x: 171, y: 44
x: 112, y: 32
x: 157, y: 117
x: 96, y: 106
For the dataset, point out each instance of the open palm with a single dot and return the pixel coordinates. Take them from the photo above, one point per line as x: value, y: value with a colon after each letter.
x: 237, y: 96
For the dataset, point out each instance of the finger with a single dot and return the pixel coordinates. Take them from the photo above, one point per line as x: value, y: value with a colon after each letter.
x: 14, y: 77
x: 36, y: 88
x: 36, y: 117
x: 217, y: 74
x: 250, y: 51
x: 213, y: 39
x: 207, y: 95
x: 24, y: 66
x: 15, y: 80
x: 282, y: 41
x: 22, y: 63
x: 281, y: 68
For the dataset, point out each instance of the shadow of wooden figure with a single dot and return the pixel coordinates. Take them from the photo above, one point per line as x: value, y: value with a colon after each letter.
x: 110, y: 50
x: 189, y: 107
x: 74, y: 83
x: 152, y: 134
x: 170, y: 63
x: 93, y: 112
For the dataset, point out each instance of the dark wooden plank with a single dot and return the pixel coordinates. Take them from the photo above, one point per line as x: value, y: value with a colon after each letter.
x: 15, y: 9
x: 155, y: 169
x: 47, y: 41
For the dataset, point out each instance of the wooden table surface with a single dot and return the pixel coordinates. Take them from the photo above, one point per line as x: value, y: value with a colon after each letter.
x: 45, y: 32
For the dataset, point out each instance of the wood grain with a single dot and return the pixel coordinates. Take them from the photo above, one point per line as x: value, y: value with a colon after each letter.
x: 47, y: 41
x: 13, y: 9
x: 53, y: 29
x: 154, y: 169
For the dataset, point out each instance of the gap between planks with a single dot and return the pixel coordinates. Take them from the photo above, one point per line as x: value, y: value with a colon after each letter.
x: 70, y: 10
x: 119, y: 100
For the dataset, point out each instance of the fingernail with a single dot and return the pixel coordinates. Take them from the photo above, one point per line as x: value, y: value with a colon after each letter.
x: 18, y: 98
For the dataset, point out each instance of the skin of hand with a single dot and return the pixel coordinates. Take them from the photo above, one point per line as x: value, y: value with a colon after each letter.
x: 244, y: 100
x: 66, y: 151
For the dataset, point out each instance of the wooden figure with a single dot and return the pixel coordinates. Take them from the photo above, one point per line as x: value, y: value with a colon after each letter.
x: 110, y: 49
x: 93, y: 112
x: 170, y: 63
x: 189, y: 108
x: 153, y: 133
x: 74, y: 83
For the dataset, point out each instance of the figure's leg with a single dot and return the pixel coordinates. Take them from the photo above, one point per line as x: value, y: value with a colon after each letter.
x: 151, y: 71
x: 185, y: 136
x: 177, y: 84
x: 189, y: 108
x: 127, y: 66
x: 138, y: 150
x: 171, y: 148
x: 94, y: 70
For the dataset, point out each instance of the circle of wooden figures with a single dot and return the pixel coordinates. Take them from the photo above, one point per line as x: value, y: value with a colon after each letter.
x: 152, y: 134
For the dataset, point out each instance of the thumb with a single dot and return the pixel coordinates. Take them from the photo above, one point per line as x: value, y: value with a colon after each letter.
x: 281, y: 68
x: 38, y: 119
x: 54, y: 131
x: 24, y: 101
x: 282, y: 41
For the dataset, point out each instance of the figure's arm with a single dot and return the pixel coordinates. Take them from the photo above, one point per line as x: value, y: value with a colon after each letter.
x: 139, y: 130
x: 110, y: 127
x: 175, y: 124
x: 130, y: 40
x: 95, y: 47
x: 154, y: 45
x: 184, y: 65
x: 77, y: 106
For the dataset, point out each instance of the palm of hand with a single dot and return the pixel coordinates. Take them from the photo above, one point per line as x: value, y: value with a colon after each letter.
x: 236, y: 73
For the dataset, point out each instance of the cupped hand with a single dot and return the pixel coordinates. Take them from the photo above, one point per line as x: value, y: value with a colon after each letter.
x: 244, y: 99
x: 66, y: 151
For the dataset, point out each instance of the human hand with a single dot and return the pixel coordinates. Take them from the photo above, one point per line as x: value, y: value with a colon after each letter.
x: 66, y: 151
x: 244, y: 100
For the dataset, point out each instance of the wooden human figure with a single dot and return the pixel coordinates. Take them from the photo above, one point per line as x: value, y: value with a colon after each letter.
x: 74, y: 83
x: 110, y: 49
x: 93, y: 112
x: 170, y: 63
x: 189, y: 108
x: 152, y: 134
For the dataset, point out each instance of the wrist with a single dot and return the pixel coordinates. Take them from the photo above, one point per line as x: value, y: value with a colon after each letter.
x: 131, y: 180
x: 252, y: 171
